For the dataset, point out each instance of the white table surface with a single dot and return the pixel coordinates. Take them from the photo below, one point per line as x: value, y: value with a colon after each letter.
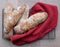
x: 39, y: 43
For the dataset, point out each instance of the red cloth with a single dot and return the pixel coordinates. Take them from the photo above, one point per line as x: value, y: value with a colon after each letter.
x: 40, y: 30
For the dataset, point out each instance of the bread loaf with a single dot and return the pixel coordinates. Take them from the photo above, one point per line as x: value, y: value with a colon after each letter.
x: 31, y: 22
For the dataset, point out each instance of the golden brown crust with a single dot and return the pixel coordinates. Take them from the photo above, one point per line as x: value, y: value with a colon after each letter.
x: 31, y: 22
x: 11, y: 19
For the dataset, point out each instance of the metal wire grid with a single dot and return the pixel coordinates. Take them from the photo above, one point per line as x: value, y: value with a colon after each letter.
x: 50, y: 35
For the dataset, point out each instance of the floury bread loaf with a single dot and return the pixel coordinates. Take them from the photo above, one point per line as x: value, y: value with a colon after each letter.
x: 11, y: 19
x: 31, y: 22
x: 7, y: 11
x: 23, y: 18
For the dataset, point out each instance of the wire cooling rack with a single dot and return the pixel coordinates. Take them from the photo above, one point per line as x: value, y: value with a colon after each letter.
x: 50, y: 35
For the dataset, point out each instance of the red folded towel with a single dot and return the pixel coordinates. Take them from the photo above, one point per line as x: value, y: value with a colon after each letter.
x: 40, y: 30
